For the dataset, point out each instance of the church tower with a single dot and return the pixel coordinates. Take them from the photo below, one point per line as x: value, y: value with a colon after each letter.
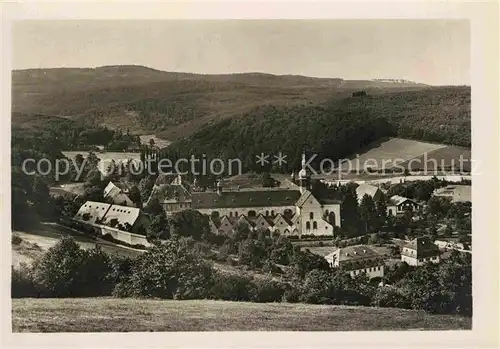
x: 304, y: 176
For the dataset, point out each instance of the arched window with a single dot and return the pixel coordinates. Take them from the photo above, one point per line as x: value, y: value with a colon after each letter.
x: 272, y: 213
x: 390, y: 212
x: 326, y: 212
x: 230, y: 214
x: 311, y: 215
x: 252, y: 213
x: 267, y: 213
x: 315, y: 225
x: 308, y: 226
x: 236, y: 214
x: 331, y: 218
x: 287, y: 231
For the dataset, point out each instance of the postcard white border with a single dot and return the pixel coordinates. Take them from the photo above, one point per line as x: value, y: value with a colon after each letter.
x: 484, y: 81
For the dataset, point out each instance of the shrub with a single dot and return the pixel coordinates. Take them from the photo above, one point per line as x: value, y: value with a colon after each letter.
x: 66, y: 270
x: 16, y: 239
x: 267, y: 290
x: 270, y: 267
x: 291, y: 295
x: 390, y: 297
x: 23, y: 284
x: 94, y: 274
x: 316, y: 287
x: 232, y: 287
x: 171, y: 270
x: 57, y: 270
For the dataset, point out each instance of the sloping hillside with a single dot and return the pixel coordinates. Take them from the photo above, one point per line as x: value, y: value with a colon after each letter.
x: 339, y: 128
x: 388, y: 153
x: 173, y: 105
x: 134, y: 315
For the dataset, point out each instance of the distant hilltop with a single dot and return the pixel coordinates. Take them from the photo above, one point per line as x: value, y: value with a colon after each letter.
x: 397, y: 81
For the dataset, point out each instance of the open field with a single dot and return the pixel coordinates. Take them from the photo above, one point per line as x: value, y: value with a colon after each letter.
x: 127, y: 315
x: 457, y: 159
x: 161, y: 143
x: 390, y: 153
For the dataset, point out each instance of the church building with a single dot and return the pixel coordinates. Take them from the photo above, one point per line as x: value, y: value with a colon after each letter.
x: 284, y: 211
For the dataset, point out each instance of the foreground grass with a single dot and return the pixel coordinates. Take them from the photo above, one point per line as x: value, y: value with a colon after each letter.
x: 127, y: 315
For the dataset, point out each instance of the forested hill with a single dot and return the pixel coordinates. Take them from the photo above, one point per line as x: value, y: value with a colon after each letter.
x: 237, y: 114
x: 171, y: 105
x: 338, y: 128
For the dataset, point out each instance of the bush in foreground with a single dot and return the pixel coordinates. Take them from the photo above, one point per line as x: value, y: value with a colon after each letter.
x: 66, y: 270
x: 23, y: 284
x: 171, y: 270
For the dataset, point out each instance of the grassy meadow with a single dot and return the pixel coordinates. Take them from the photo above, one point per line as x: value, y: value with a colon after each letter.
x: 134, y: 315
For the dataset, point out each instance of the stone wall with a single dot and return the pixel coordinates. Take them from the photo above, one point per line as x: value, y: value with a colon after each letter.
x: 120, y: 235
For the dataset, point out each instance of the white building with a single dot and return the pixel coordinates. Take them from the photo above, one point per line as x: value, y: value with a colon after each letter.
x: 284, y: 211
x: 357, y: 260
x: 420, y: 251
x: 116, y: 194
x: 399, y: 204
x: 123, y: 218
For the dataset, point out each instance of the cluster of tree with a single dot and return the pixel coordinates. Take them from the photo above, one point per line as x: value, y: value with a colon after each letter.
x: 331, y: 133
x: 336, y: 130
x: 174, y: 270
x: 419, y: 190
x: 437, y: 288
x: 30, y: 196
x: 67, y: 134
x: 437, y: 114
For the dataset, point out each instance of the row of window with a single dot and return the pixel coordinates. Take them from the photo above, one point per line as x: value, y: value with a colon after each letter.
x: 315, y: 225
x: 367, y: 270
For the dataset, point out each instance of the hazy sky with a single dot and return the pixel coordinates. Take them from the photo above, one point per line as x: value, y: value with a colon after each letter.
x: 428, y: 51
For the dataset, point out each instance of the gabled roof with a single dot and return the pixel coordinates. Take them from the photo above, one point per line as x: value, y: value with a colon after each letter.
x: 328, y: 198
x: 236, y: 220
x: 280, y: 218
x: 123, y: 214
x: 261, y: 221
x: 170, y: 193
x: 364, y: 189
x: 95, y: 210
x: 356, y: 252
x: 397, y: 200
x: 111, y: 190
x: 234, y: 199
x: 164, y: 178
x: 303, y: 198
x: 423, y: 246
x: 225, y: 223
x: 323, y: 198
x: 355, y: 257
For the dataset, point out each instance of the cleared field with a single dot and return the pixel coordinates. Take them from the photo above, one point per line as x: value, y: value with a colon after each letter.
x: 451, y: 158
x: 161, y: 143
x: 389, y: 153
x: 134, y: 315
